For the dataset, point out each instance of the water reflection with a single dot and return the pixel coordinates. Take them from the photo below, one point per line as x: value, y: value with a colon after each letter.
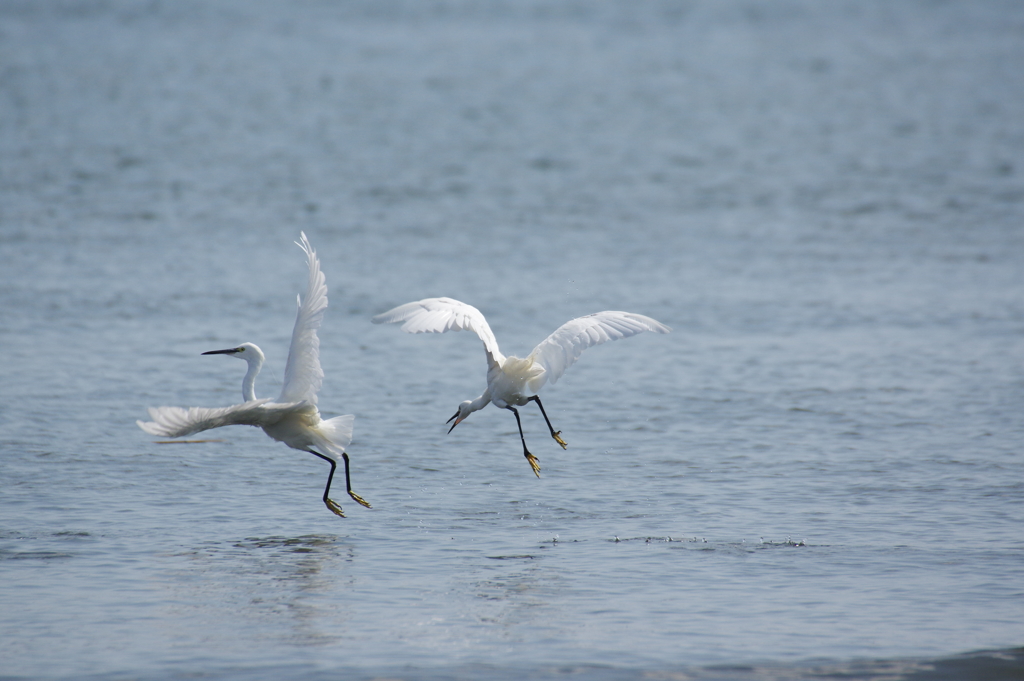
x: 274, y: 587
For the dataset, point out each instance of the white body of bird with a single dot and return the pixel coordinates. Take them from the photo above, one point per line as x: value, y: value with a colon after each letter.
x: 514, y: 381
x: 293, y: 418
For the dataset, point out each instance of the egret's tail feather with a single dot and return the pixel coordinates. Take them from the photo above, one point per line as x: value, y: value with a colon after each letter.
x: 337, y: 431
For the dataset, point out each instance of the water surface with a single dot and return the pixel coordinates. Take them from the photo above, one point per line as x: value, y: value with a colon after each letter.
x: 817, y: 473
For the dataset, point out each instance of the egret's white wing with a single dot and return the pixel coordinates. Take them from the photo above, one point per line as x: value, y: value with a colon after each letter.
x: 177, y: 422
x: 302, y: 374
x: 437, y: 315
x: 560, y: 350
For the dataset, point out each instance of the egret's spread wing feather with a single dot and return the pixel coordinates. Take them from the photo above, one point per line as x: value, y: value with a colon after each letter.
x: 178, y: 422
x: 560, y: 350
x: 437, y: 315
x: 302, y: 374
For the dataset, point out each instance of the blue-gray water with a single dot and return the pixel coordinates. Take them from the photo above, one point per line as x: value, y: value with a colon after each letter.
x: 819, y: 472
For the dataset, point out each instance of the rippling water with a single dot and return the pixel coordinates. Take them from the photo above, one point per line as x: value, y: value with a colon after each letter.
x: 818, y: 473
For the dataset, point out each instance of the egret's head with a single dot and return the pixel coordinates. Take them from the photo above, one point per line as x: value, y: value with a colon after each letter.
x: 465, y: 410
x: 250, y: 352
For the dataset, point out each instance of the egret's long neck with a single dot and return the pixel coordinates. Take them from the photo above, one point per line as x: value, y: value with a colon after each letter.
x: 480, y: 402
x: 249, y: 382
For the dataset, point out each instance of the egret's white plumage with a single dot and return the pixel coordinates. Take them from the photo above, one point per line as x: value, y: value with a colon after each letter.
x: 293, y: 418
x: 514, y: 381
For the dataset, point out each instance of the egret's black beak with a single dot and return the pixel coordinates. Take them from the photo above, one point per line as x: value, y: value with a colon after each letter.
x: 229, y: 351
x: 457, y: 421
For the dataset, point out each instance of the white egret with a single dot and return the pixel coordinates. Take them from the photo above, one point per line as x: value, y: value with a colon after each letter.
x: 512, y: 381
x: 294, y: 418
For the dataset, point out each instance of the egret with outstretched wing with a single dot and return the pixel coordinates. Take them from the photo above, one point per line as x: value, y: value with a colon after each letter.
x: 512, y: 381
x: 294, y: 418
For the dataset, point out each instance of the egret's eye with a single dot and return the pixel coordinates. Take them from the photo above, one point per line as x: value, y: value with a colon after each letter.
x: 240, y: 350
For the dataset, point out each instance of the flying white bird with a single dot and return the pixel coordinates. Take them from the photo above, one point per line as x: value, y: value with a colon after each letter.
x: 512, y: 381
x: 293, y: 419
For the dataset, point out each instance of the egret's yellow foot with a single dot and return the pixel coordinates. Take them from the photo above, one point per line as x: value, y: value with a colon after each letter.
x: 359, y: 499
x: 333, y: 507
x: 558, y: 439
x: 534, y: 464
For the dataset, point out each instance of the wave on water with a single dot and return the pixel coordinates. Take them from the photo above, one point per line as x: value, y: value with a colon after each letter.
x: 988, y: 665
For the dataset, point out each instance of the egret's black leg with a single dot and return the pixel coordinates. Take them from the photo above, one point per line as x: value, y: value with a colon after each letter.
x: 348, y: 484
x: 555, y: 435
x: 534, y: 464
x: 330, y: 503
